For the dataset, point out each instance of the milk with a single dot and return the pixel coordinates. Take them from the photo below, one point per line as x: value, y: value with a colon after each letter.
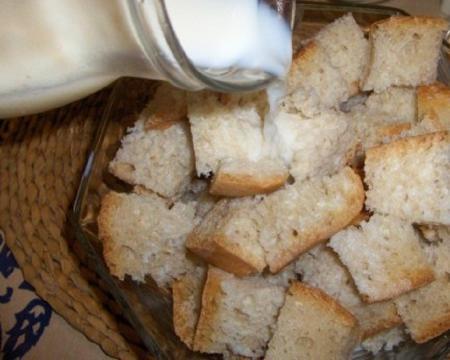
x: 54, y: 51
x: 276, y: 143
x: 57, y: 51
x: 244, y: 34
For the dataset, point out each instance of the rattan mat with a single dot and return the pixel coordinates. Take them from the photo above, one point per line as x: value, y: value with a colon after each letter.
x: 41, y: 158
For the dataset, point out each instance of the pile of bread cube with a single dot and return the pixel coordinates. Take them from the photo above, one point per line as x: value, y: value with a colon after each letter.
x: 303, y: 231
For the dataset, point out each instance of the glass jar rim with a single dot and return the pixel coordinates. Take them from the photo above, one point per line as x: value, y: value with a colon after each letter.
x: 197, y: 79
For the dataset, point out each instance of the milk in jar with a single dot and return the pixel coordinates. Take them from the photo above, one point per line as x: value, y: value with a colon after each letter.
x: 57, y: 51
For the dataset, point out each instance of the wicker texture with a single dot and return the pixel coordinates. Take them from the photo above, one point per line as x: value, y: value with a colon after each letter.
x: 40, y: 162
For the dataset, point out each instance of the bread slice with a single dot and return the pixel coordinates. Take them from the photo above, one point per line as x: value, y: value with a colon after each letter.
x: 245, y: 178
x: 238, y: 315
x: 244, y: 235
x: 433, y: 105
x: 320, y: 267
x: 383, y: 256
x: 313, y: 84
x: 304, y: 214
x: 347, y: 49
x: 375, y: 318
x: 426, y: 311
x: 312, y: 325
x: 386, y: 340
x: 409, y: 178
x: 225, y: 127
x: 168, y: 106
x: 404, y: 52
x: 317, y: 146
x: 228, y: 237
x: 187, y: 297
x: 145, y: 234
x: 159, y: 160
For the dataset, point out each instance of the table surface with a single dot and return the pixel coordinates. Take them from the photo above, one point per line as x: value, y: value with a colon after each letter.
x: 29, y: 328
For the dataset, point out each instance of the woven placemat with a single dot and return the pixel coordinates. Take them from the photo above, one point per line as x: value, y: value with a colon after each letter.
x: 41, y: 158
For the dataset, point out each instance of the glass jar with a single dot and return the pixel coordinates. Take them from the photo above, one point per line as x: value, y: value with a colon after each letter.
x: 55, y: 52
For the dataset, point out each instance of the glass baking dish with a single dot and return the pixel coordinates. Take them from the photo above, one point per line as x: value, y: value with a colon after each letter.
x: 146, y: 307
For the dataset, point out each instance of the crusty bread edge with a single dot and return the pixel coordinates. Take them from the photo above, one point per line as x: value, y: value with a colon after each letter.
x: 389, y: 130
x: 379, y: 153
x: 217, y: 252
x: 430, y: 100
x: 382, y: 325
x: 432, y: 330
x: 303, y: 55
x: 180, y: 294
x: 233, y: 185
x: 212, y: 292
x: 430, y: 95
x: 402, y: 21
x: 416, y: 279
x: 300, y: 291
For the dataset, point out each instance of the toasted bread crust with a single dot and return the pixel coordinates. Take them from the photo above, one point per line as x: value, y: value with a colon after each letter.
x: 398, y: 22
x: 180, y: 322
x: 433, y: 105
x: 404, y: 145
x: 302, y: 59
x: 390, y: 130
x: 210, y: 299
x: 413, y: 280
x: 314, y: 317
x: 303, y: 292
x: 391, y: 320
x: 218, y: 252
x: 235, y: 185
x: 180, y: 293
x: 431, y: 96
x: 433, y: 329
x: 425, y: 326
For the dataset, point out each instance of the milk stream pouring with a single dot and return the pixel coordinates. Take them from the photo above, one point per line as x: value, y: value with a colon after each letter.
x: 57, y: 51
